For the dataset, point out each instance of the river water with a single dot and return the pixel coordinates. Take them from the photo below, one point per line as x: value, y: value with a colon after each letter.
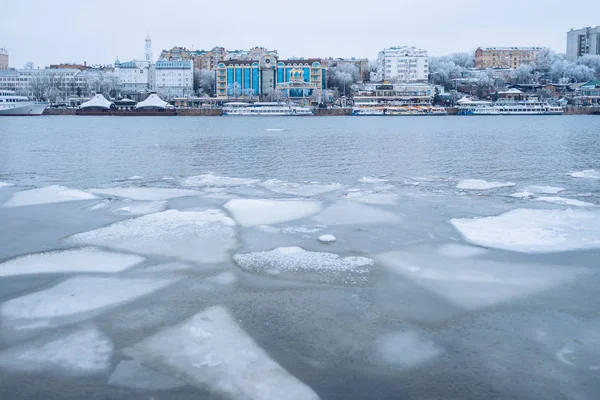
x: 178, y: 258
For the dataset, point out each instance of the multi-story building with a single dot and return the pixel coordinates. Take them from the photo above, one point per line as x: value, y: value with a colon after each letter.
x: 136, y: 76
x: 505, y: 57
x: 402, y: 64
x: 397, y: 93
x: 269, y: 77
x: 583, y: 41
x: 3, y: 59
x: 361, y: 63
x: 175, y: 76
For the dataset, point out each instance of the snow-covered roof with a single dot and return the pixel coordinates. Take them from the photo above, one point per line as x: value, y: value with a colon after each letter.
x: 98, y: 101
x: 464, y: 100
x: 153, y: 101
x: 510, y: 91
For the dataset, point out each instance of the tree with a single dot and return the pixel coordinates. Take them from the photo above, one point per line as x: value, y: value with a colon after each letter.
x: 436, y: 97
x: 342, y: 76
x: 38, y: 85
x: 29, y: 65
x: 204, y: 82
x: 249, y: 93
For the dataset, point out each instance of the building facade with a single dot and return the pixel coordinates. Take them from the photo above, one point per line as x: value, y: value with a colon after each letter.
x: 269, y: 78
x: 134, y: 76
x: 3, y: 59
x: 402, y: 64
x: 361, y: 63
x: 397, y: 93
x: 505, y: 57
x: 174, y: 76
x: 583, y: 41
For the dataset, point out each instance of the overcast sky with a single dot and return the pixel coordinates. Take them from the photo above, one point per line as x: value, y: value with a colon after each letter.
x: 57, y: 31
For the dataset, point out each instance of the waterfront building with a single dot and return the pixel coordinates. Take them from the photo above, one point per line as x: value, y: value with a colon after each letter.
x: 135, y: 76
x: 505, y: 57
x: 176, y: 77
x: 589, y: 93
x: 397, y: 93
x: 3, y: 59
x: 361, y: 63
x: 402, y: 64
x: 270, y: 78
x: 583, y: 41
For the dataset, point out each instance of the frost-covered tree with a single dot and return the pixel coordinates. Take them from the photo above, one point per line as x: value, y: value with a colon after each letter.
x: 443, y: 71
x: 523, y: 74
x: 29, y: 65
x: 591, y: 61
x: 342, y: 77
x: 204, y: 82
x: 249, y: 93
x: 38, y: 85
x: 463, y: 60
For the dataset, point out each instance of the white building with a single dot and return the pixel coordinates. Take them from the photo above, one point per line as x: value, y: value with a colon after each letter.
x: 402, y: 64
x: 3, y: 59
x: 136, y: 76
x: 583, y: 41
x: 175, y: 77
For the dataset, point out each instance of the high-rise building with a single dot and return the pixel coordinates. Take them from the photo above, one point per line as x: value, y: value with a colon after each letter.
x: 505, y: 57
x: 402, y: 64
x: 136, y: 76
x: 3, y: 59
x: 583, y: 41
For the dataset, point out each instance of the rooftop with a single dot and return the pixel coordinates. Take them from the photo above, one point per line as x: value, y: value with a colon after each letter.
x: 511, y: 48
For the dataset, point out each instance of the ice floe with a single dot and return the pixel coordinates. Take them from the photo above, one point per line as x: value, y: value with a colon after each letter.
x: 253, y: 212
x: 215, y: 180
x: 473, y: 284
x: 146, y: 193
x: 224, y: 278
x: 297, y: 263
x: 522, y: 195
x: 348, y: 212
x: 460, y: 250
x: 299, y: 189
x: 534, y: 231
x: 588, y: 173
x: 130, y: 373
x: 544, y: 189
x: 79, y: 260
x: 5, y: 184
x: 407, y: 349
x: 200, y: 236
x: 371, y: 197
x: 566, y: 202
x: 47, y: 195
x: 327, y: 238
x: 292, y: 230
x: 371, y: 179
x: 135, y: 178
x: 142, y: 208
x: 85, y: 351
x: 211, y: 351
x: 75, y: 299
x: 275, y: 129
x: 103, y: 205
x: 480, y: 184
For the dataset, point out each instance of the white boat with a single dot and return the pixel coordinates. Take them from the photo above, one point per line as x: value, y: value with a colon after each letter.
x: 524, y: 107
x: 268, y: 109
x: 415, y: 110
x: 11, y: 104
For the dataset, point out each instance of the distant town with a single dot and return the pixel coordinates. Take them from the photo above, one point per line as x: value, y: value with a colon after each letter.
x: 190, y: 78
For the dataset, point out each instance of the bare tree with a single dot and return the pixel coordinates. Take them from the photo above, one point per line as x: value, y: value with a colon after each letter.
x: 38, y: 85
x: 29, y: 65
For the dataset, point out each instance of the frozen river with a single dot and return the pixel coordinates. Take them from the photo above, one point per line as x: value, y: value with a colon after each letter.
x: 179, y: 258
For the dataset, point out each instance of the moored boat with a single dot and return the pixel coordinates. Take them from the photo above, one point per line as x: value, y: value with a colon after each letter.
x: 13, y: 105
x: 265, y: 109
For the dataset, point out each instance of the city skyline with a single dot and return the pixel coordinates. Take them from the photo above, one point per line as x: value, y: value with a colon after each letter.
x: 98, y: 33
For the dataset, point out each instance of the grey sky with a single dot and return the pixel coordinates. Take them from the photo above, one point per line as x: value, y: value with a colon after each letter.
x: 95, y: 31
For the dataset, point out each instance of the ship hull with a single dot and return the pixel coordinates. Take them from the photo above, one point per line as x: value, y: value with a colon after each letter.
x: 26, y: 109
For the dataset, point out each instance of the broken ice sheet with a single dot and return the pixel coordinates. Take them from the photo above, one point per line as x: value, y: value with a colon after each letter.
x: 253, y: 212
x: 210, y: 350
x: 47, y: 195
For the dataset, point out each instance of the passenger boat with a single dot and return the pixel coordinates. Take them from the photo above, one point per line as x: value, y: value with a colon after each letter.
x: 415, y: 110
x: 524, y: 107
x: 11, y: 104
x: 266, y: 109
x: 366, y: 111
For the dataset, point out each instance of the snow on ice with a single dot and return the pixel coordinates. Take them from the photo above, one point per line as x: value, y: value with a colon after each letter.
x: 327, y: 238
x: 347, y: 213
x: 474, y: 284
x: 545, y: 189
x: 588, y: 173
x: 299, y: 189
x: 370, y: 197
x: 297, y: 263
x: 85, y: 351
x: 371, y: 179
x: 566, y: 202
x: 146, y: 193
x: 211, y: 351
x: 200, y: 236
x: 253, y: 212
x: 480, y: 184
x: 407, y: 349
x: 75, y: 299
x: 5, y: 184
x: 47, y: 195
x: 215, y: 180
x: 522, y: 195
x: 142, y: 208
x: 130, y: 373
x: 534, y: 231
x: 79, y: 260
